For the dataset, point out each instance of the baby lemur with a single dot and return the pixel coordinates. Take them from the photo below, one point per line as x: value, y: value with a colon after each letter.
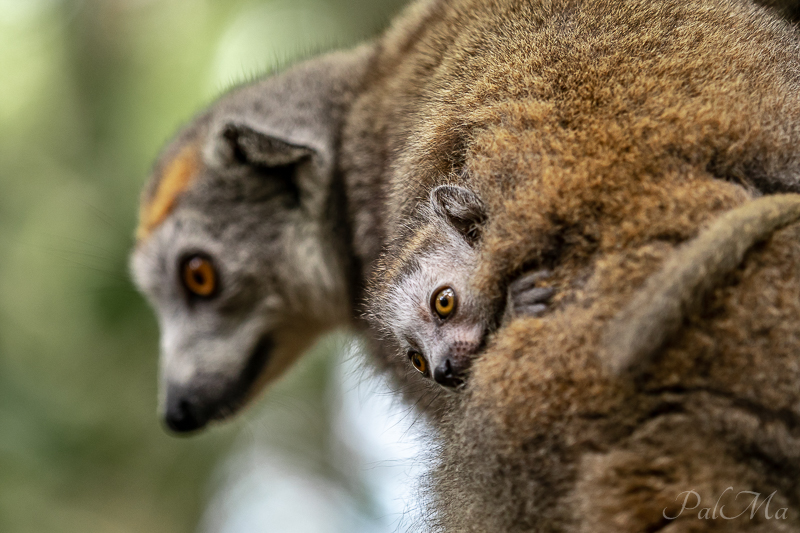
x: 424, y: 296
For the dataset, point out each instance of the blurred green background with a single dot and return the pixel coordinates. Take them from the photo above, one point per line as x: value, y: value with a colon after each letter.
x: 89, y: 92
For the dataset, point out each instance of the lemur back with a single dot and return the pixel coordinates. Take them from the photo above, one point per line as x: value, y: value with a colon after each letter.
x: 599, y: 134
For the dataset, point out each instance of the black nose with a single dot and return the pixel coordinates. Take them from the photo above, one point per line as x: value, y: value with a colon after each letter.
x: 190, y: 407
x: 448, y: 375
x: 182, y: 414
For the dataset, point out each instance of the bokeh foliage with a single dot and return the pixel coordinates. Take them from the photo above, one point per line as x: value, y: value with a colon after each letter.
x: 89, y: 92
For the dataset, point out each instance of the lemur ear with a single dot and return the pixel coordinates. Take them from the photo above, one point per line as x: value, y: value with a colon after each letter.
x: 240, y: 143
x: 462, y: 208
x: 292, y: 119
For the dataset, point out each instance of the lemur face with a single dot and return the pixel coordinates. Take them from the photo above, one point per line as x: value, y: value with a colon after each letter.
x: 236, y: 250
x: 233, y: 314
x: 431, y: 308
x: 438, y: 321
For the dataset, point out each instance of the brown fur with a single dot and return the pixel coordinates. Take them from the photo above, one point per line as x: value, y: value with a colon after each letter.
x: 496, y: 94
x: 785, y: 8
x: 659, y: 308
x: 563, y: 444
x: 601, y: 135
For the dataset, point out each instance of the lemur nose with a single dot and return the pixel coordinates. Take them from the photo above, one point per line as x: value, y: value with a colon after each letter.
x: 182, y: 415
x: 447, y: 375
x: 453, y: 370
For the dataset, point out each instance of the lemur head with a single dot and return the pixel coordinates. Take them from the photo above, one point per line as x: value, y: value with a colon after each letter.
x: 426, y: 299
x: 238, y: 248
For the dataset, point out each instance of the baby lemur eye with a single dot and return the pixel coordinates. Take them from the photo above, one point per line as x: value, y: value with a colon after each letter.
x: 199, y: 276
x: 444, y: 302
x: 418, y: 361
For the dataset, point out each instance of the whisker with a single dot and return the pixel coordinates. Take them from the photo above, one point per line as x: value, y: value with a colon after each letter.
x: 111, y: 274
x: 108, y: 220
x: 77, y: 252
x: 61, y: 238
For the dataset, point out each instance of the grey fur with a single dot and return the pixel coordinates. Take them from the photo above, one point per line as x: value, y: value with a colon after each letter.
x: 659, y: 308
x: 526, y: 298
x: 265, y: 207
x: 445, y: 253
x: 402, y: 294
x: 461, y: 208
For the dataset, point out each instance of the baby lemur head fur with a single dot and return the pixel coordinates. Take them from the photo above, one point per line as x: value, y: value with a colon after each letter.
x: 240, y: 244
x: 423, y: 295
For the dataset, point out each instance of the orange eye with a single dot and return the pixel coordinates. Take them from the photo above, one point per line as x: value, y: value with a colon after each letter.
x: 444, y: 302
x: 418, y: 361
x: 199, y: 276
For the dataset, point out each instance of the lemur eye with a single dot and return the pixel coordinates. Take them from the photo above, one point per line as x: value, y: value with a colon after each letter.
x: 418, y: 361
x: 199, y: 276
x: 444, y: 302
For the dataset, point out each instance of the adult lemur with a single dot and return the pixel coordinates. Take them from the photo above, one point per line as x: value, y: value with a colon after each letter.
x: 599, y: 135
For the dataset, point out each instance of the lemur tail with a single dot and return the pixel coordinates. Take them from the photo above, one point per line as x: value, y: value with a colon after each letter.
x: 658, y: 309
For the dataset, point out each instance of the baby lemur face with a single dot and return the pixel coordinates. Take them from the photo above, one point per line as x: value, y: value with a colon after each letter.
x: 236, y: 249
x: 430, y: 307
x: 427, y: 300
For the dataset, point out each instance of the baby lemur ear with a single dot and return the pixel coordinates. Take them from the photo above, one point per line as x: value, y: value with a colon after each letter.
x: 462, y: 208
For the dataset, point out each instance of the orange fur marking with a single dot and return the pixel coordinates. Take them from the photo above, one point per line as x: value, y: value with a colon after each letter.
x: 176, y: 178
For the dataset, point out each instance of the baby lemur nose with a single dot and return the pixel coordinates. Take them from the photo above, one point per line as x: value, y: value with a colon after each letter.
x: 448, y: 376
x: 453, y: 370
